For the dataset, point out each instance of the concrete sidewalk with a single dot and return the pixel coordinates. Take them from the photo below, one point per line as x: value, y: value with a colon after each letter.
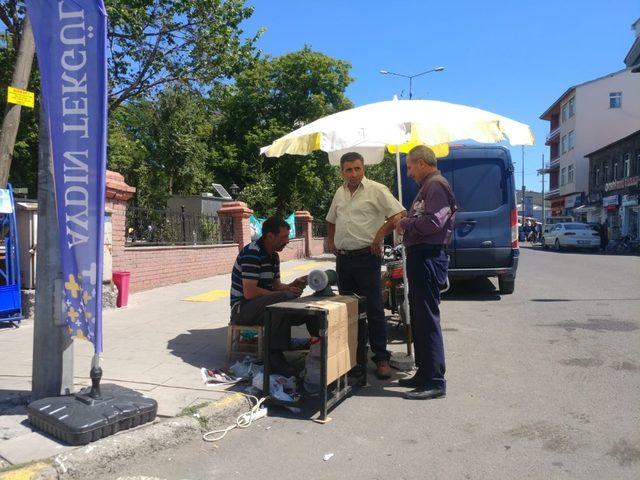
x: 156, y: 346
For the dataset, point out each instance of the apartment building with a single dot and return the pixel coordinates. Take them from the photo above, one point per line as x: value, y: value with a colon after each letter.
x: 583, y: 119
x: 632, y: 60
x: 614, y: 186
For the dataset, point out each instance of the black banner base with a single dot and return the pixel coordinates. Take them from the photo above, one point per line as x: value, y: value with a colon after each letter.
x: 82, y: 418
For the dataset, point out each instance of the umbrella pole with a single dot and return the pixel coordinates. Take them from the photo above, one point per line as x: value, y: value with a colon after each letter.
x: 398, y: 174
x: 405, y: 302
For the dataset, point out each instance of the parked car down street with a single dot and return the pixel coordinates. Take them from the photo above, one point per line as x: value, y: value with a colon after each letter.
x: 571, y: 235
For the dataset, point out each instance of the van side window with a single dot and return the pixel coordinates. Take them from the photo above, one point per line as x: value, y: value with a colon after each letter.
x: 480, y: 184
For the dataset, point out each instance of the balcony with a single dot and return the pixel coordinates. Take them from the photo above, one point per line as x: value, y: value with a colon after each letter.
x: 553, y: 136
x: 552, y: 194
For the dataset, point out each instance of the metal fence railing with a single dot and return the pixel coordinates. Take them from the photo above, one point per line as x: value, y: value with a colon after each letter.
x: 163, y: 227
x: 318, y: 229
x: 299, y: 224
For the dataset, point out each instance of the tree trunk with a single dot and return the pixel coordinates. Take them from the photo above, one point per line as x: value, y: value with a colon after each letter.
x: 11, y: 120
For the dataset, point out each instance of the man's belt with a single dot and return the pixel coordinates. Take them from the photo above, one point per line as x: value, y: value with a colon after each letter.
x: 425, y: 247
x: 353, y: 253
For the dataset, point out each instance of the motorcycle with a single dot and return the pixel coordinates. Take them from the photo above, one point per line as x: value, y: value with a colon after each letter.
x: 393, y: 289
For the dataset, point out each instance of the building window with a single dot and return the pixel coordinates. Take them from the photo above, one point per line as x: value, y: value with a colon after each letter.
x: 615, y: 171
x: 596, y: 177
x: 572, y: 107
x: 570, y: 174
x: 606, y: 172
x: 563, y: 145
x: 638, y: 164
x: 627, y: 166
x: 564, y: 113
x: 571, y: 140
x: 615, y: 100
x: 563, y: 177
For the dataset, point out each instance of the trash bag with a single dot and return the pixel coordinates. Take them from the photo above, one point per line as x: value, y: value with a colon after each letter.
x: 246, y: 368
x: 277, y: 386
x: 312, y: 367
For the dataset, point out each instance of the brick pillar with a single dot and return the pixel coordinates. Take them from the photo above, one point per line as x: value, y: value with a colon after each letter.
x: 117, y: 195
x: 305, y: 219
x: 240, y: 213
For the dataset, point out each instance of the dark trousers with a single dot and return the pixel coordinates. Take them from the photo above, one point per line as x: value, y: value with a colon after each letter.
x: 427, y: 272
x: 360, y: 275
x: 253, y: 312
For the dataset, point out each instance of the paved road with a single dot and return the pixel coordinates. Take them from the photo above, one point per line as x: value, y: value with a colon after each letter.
x: 542, y: 384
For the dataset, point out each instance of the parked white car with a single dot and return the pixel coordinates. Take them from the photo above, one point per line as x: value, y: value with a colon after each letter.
x: 571, y: 235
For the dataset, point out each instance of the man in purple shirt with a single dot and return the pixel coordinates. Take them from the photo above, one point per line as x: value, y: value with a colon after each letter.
x: 427, y: 230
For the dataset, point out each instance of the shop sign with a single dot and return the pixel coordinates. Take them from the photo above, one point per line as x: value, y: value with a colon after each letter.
x: 595, y: 197
x: 528, y: 206
x: 611, y: 201
x: 624, y: 183
x: 629, y: 200
x: 572, y: 200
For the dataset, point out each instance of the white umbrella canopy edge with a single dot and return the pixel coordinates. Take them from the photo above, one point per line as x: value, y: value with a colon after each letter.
x: 373, y: 127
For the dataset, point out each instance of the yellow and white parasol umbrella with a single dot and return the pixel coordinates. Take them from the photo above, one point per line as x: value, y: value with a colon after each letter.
x: 398, y: 124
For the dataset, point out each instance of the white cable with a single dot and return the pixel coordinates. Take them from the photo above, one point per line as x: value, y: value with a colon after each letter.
x: 243, y: 421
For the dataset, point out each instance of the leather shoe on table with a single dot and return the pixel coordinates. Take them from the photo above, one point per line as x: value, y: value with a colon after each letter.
x: 415, y: 381
x: 425, y: 393
x: 383, y: 370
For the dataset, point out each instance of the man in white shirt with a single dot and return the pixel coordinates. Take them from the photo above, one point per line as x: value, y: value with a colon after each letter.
x: 361, y: 214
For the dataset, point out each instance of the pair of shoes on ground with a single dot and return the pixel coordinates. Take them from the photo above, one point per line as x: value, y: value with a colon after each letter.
x: 383, y: 370
x: 278, y: 364
x: 421, y: 390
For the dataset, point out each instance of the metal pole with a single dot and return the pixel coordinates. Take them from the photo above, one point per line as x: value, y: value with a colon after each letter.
x: 184, y: 227
x: 410, y: 86
x: 543, y: 212
x: 52, y: 373
x: 405, y: 303
x: 522, y: 199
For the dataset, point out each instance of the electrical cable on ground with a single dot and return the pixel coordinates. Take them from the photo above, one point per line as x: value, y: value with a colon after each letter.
x: 243, y: 421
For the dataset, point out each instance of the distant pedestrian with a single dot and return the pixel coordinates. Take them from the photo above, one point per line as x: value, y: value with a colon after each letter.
x: 527, y: 230
x: 604, y: 236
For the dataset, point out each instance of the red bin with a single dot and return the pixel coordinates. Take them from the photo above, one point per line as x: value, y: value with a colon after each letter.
x: 121, y: 279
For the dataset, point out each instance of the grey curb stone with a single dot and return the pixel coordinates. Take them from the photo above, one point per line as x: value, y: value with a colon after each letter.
x: 108, y: 454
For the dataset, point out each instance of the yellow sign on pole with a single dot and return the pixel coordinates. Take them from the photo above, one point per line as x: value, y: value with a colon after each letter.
x: 20, y: 97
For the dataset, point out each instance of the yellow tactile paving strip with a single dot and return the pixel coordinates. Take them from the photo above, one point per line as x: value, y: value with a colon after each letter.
x: 210, y: 296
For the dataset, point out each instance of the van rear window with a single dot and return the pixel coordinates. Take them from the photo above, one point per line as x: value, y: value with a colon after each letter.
x: 480, y: 184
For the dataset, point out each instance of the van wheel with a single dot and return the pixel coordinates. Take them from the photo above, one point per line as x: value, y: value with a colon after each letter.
x: 507, y: 286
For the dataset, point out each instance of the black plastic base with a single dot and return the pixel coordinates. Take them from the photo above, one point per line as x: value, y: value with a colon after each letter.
x: 80, y: 419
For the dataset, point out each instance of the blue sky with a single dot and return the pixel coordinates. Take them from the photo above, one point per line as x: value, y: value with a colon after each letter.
x: 512, y: 57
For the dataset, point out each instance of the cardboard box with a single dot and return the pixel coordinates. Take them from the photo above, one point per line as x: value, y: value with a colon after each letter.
x: 342, y: 334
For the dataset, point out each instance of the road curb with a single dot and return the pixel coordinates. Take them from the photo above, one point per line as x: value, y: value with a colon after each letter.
x: 107, y: 454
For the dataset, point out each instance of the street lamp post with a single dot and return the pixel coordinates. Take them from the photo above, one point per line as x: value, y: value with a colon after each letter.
x: 411, y: 77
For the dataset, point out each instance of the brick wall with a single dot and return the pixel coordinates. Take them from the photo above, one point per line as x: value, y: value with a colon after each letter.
x: 153, y: 267
x: 294, y: 250
x: 318, y: 246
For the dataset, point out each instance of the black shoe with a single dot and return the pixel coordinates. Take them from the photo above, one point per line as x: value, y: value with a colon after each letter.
x: 425, y: 393
x: 278, y: 364
x: 412, y: 382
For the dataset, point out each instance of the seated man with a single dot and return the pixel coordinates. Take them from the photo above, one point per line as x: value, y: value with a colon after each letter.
x: 255, y: 284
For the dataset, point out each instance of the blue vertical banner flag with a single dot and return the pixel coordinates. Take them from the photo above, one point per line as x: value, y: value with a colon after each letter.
x: 70, y: 38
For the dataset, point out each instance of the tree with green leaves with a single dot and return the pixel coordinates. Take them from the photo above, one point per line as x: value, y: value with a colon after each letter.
x: 162, y: 144
x: 153, y: 44
x: 268, y: 100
